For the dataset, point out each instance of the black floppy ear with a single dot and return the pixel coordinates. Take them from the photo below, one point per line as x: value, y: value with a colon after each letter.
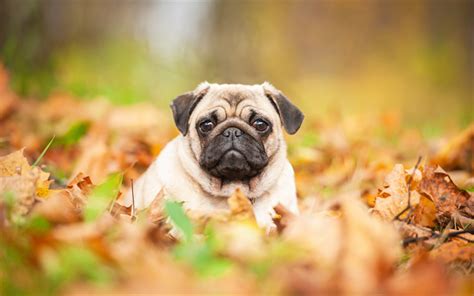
x: 182, y: 108
x: 290, y: 115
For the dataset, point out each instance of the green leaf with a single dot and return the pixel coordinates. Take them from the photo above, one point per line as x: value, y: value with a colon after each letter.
x: 74, y: 134
x: 202, y: 258
x: 38, y: 225
x: 9, y: 199
x: 72, y: 263
x: 178, y: 217
x: 469, y: 188
x: 101, y: 197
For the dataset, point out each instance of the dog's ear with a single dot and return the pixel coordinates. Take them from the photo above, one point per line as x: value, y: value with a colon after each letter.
x: 183, y: 105
x: 290, y: 115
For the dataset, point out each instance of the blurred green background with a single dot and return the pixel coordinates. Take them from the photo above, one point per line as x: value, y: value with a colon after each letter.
x: 413, y: 58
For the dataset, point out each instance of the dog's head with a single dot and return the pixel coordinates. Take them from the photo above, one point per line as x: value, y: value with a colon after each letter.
x: 234, y: 130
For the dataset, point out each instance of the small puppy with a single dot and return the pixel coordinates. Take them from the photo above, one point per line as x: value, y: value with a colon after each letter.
x: 231, y: 137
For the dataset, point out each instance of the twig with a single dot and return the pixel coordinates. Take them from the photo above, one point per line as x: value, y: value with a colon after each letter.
x: 133, y: 201
x: 112, y: 203
x: 410, y: 240
x: 408, y: 207
x: 444, y: 234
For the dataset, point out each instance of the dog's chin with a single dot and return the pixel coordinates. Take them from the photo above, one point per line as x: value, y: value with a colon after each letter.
x: 233, y: 166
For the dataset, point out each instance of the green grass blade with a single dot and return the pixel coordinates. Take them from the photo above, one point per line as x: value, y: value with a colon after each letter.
x: 44, y: 151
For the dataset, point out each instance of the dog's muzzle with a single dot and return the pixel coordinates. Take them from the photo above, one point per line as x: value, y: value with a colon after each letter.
x: 234, y: 155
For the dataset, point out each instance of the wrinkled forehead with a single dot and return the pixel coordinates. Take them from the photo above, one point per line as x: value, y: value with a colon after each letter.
x: 234, y: 100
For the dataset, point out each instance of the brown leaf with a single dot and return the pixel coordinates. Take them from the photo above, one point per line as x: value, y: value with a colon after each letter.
x: 118, y: 210
x: 282, y: 217
x: 447, y: 197
x: 24, y: 181
x: 65, y: 205
x: 393, y: 199
x: 455, y: 250
x: 240, y: 206
x: 356, y: 251
x: 23, y: 189
x: 82, y: 181
x: 409, y: 230
x: 458, y: 153
x: 59, y: 208
x: 14, y: 164
x: 9, y: 103
x: 424, y: 213
x: 156, y: 209
x: 424, y: 277
x: 95, y: 158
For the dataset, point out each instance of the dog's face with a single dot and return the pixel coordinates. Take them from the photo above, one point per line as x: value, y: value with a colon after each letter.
x: 235, y: 130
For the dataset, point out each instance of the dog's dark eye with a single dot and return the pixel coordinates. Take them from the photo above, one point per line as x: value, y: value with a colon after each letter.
x: 260, y: 125
x: 206, y: 126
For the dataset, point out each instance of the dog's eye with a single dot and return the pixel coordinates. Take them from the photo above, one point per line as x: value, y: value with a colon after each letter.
x: 206, y: 126
x: 260, y: 125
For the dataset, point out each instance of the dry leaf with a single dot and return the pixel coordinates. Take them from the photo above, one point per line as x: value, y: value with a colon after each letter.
x: 22, y: 180
x: 156, y: 209
x: 424, y: 277
x: 240, y: 206
x: 95, y: 157
x: 455, y: 250
x: 357, y: 250
x: 23, y: 189
x: 393, y: 199
x: 59, y: 208
x: 424, y: 213
x: 458, y: 153
x: 450, y: 201
x: 283, y: 217
x: 14, y: 164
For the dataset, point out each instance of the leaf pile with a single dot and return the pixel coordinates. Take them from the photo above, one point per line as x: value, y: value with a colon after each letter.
x: 372, y: 221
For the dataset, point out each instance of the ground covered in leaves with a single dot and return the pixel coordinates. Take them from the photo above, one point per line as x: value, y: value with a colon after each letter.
x: 383, y: 210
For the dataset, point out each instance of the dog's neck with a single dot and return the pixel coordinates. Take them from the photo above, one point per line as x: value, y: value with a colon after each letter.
x: 217, y: 188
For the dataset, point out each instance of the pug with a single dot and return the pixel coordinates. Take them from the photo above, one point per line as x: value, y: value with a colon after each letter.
x: 231, y: 138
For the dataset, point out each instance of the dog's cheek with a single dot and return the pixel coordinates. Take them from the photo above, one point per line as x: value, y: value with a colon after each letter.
x: 195, y: 143
x: 271, y: 144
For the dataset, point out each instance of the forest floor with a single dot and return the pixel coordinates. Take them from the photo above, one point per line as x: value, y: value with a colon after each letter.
x: 383, y: 209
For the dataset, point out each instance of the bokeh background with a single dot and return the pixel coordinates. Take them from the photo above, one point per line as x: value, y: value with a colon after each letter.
x: 386, y: 86
x: 412, y: 60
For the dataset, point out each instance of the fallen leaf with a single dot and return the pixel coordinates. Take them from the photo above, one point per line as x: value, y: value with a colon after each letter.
x: 424, y: 277
x: 59, y: 208
x: 95, y: 157
x: 450, y: 201
x: 282, y: 218
x: 455, y: 250
x: 424, y: 213
x: 240, y: 206
x: 23, y: 181
x: 458, y: 152
x: 22, y: 188
x: 356, y: 251
x: 14, y: 164
x: 156, y: 210
x: 393, y: 199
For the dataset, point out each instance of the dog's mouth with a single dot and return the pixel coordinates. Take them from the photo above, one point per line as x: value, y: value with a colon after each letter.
x: 233, y: 156
x: 233, y: 165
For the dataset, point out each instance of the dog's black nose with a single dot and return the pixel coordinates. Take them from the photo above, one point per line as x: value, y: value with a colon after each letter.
x: 232, y: 132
